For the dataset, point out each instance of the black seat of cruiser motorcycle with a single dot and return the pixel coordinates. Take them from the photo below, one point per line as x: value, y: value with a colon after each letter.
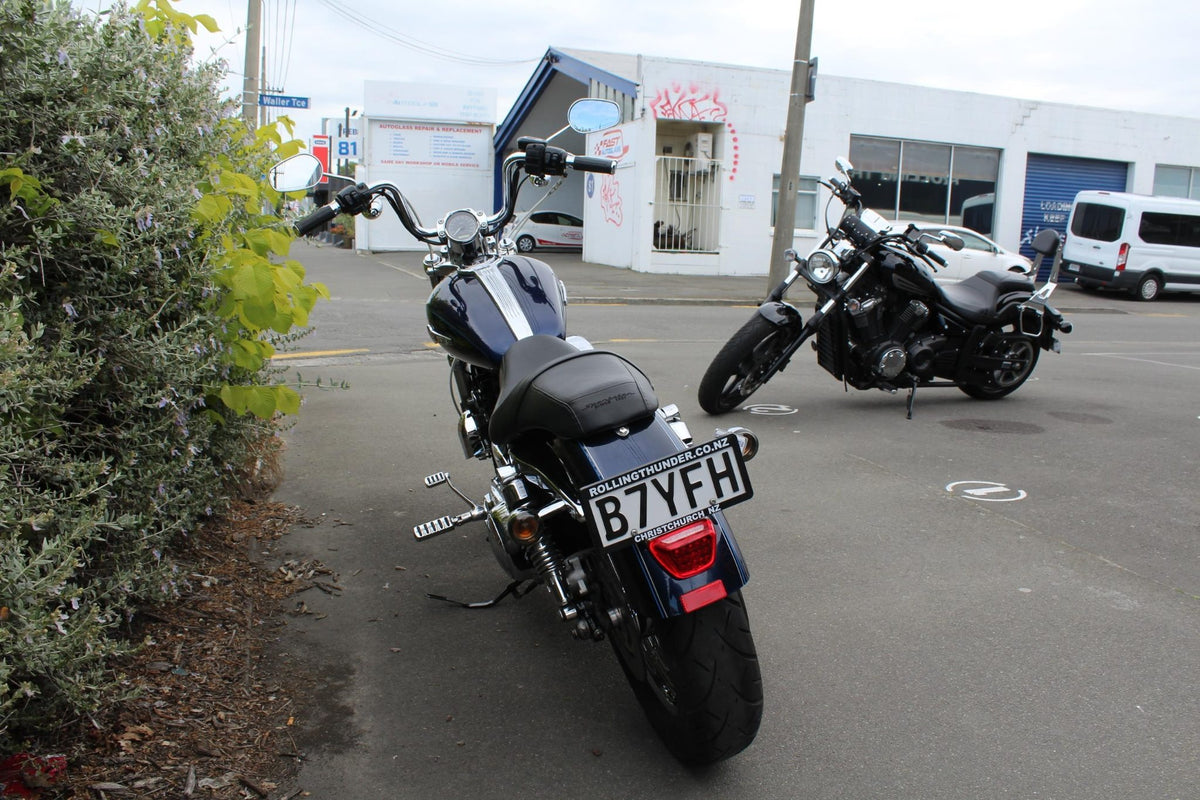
x: 546, y: 384
x: 975, y: 298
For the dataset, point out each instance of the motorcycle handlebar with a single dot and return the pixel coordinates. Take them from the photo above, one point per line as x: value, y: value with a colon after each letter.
x: 930, y: 254
x: 316, y: 219
x: 592, y: 164
x: 359, y: 196
x: 858, y: 231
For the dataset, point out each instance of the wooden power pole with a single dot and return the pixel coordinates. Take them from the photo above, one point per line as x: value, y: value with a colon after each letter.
x: 250, y: 87
x: 793, y: 138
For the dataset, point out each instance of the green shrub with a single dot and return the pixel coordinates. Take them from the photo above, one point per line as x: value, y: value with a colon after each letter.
x: 143, y: 279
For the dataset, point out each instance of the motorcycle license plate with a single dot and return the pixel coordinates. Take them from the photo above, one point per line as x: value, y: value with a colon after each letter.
x: 666, y: 494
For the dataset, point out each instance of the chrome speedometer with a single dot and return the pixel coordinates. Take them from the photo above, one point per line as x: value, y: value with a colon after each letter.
x: 461, y: 226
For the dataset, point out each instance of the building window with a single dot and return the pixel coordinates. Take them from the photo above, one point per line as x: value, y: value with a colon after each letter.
x: 806, y: 202
x: 927, y: 181
x: 1177, y: 181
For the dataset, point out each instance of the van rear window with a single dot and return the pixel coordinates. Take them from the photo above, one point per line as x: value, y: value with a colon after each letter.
x: 1096, y: 221
x: 1176, y: 229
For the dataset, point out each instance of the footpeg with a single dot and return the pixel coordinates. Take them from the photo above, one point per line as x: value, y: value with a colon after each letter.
x: 433, y: 527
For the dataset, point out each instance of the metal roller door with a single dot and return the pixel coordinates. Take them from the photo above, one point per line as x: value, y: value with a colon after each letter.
x: 1051, y: 183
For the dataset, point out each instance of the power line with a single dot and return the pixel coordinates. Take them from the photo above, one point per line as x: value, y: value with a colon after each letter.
x: 279, y: 29
x: 392, y: 35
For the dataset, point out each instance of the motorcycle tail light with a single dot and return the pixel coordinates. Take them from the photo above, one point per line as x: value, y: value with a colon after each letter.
x: 687, y: 551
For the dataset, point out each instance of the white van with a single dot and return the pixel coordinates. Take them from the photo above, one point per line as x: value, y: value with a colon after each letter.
x: 1134, y: 242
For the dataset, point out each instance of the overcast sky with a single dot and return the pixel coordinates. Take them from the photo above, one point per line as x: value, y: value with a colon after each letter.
x: 1109, y: 53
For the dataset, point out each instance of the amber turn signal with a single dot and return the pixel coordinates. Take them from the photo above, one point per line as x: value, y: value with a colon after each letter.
x: 523, y: 526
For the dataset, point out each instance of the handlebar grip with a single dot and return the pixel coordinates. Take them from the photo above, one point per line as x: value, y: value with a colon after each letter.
x: 316, y: 219
x: 929, y: 253
x: 859, y: 232
x: 593, y: 164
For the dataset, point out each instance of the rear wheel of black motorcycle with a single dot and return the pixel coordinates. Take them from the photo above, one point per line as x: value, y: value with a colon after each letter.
x: 696, y: 677
x: 742, y: 365
x: 1022, y: 352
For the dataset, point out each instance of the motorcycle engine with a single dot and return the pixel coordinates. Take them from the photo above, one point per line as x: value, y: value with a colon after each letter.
x: 887, y: 357
x: 888, y: 360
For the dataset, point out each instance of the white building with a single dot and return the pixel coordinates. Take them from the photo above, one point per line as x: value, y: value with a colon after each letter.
x: 435, y: 142
x: 701, y: 146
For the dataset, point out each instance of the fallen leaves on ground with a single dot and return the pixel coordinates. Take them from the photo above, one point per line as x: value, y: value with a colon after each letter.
x: 213, y: 711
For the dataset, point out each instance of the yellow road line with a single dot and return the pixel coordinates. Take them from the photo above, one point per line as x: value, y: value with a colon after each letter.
x: 318, y: 354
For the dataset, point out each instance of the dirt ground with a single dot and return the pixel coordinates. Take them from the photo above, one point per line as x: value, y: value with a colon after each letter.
x: 214, y: 709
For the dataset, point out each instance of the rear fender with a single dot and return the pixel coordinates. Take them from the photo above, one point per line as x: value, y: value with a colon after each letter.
x: 660, y: 593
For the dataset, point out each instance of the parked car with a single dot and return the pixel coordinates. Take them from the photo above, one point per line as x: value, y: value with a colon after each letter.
x: 979, y: 253
x: 544, y: 230
x: 1137, y: 243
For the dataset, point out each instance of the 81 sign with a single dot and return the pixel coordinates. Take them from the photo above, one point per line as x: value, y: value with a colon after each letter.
x: 344, y: 147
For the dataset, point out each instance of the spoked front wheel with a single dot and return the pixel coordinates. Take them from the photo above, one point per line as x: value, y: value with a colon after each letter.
x: 743, y: 364
x: 1018, y: 354
x: 696, y: 677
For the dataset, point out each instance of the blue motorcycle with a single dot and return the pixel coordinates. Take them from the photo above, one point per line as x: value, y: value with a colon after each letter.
x: 599, y: 494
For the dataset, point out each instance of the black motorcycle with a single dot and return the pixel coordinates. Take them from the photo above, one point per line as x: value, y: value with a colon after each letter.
x: 882, y: 322
x: 598, y: 494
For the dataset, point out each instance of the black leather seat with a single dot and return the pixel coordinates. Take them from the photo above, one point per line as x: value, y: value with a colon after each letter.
x: 976, y: 297
x: 546, y: 384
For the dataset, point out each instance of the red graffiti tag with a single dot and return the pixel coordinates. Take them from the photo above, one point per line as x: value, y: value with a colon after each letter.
x: 610, y: 200
x: 694, y: 104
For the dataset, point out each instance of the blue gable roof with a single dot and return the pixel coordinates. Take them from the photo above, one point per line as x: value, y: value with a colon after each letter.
x: 554, y: 61
x: 569, y: 65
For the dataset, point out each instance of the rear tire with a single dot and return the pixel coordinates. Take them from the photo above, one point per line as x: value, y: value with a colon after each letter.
x: 1022, y: 351
x: 697, y: 679
x: 1148, y: 288
x: 742, y: 365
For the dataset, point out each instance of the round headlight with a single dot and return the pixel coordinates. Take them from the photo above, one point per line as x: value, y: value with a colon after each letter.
x: 822, y: 266
x: 461, y: 226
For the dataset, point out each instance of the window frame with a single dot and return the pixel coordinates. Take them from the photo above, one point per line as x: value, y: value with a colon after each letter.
x: 949, y: 179
x: 801, y: 191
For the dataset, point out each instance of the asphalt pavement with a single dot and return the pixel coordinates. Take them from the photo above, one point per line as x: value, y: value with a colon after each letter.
x: 922, y: 634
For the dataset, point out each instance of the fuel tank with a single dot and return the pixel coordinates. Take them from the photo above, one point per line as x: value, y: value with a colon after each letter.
x: 477, y: 313
x: 907, y: 276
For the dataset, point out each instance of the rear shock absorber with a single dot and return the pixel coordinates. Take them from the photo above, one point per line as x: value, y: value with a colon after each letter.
x: 549, y: 564
x: 545, y: 558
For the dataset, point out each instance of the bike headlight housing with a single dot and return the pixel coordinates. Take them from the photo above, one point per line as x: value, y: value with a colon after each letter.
x: 461, y: 226
x: 822, y: 266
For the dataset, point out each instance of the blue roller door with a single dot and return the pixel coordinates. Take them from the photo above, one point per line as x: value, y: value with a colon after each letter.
x: 1051, y: 183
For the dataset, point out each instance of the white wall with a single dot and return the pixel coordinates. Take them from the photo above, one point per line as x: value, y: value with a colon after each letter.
x: 611, y: 224
x: 746, y: 102
x: 435, y: 144
x: 751, y: 106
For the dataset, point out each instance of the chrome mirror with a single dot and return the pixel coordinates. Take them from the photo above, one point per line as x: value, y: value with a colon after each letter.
x: 590, y: 114
x: 301, y: 171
